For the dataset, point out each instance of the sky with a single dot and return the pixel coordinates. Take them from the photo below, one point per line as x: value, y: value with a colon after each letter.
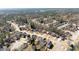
x: 39, y: 3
